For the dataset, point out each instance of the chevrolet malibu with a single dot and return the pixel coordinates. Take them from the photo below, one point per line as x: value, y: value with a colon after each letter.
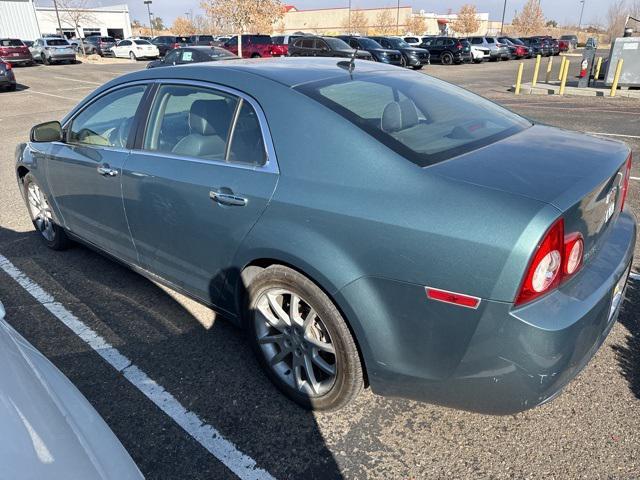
x: 368, y: 226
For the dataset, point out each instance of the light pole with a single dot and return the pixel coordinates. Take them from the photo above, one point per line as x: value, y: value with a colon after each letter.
x: 349, y: 20
x: 504, y: 10
x: 581, y: 12
x: 398, y: 19
x: 148, y: 3
x: 55, y: 5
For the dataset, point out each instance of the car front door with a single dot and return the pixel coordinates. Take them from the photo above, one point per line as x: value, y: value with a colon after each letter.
x: 196, y: 184
x: 84, y: 172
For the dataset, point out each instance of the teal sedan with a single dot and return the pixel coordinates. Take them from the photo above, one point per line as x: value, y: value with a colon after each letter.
x: 369, y: 227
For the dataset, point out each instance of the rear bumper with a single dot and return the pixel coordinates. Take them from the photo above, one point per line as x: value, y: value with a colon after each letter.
x: 495, y: 359
x: 62, y: 57
x: 18, y: 60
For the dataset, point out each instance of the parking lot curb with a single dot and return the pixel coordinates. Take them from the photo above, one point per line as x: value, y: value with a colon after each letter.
x: 553, y: 89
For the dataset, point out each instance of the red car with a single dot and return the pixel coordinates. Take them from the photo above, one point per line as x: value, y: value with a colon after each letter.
x: 14, y: 51
x: 254, y: 46
x: 565, y: 45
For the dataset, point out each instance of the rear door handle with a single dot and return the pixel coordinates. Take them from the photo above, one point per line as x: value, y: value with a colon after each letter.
x: 226, y: 197
x: 106, y: 171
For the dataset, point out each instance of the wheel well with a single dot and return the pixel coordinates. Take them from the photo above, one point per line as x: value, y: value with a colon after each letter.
x: 22, y: 171
x: 256, y: 266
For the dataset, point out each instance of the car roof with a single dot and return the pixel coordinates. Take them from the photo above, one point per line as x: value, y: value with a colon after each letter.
x: 288, y: 71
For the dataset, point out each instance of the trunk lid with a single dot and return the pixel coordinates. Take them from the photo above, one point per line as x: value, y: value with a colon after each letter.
x: 581, y: 175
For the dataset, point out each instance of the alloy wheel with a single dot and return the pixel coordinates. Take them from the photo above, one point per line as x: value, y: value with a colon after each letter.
x: 295, y: 342
x: 40, y: 212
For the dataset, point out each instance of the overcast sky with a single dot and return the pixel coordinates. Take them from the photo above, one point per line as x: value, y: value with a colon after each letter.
x: 563, y: 11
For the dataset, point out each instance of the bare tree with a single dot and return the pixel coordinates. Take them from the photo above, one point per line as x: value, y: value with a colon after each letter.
x: 530, y: 20
x: 359, y: 23
x: 416, y: 25
x: 385, y: 23
x: 75, y: 13
x: 616, y: 17
x: 467, y: 21
x: 244, y: 16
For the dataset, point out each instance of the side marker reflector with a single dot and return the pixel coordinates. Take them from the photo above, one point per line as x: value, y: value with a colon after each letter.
x: 452, y: 297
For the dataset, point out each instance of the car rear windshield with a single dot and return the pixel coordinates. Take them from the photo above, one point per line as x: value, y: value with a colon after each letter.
x: 141, y: 42
x: 421, y: 118
x: 53, y: 41
x: 108, y: 39
x: 205, y: 38
x: 11, y: 42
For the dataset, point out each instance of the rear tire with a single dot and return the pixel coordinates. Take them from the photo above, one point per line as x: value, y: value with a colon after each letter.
x: 51, y: 234
x: 446, y: 58
x: 294, y: 328
x: 45, y: 60
x: 403, y: 62
x: 132, y: 57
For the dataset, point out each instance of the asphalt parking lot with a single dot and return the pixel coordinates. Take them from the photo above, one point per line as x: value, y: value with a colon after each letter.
x: 591, y: 431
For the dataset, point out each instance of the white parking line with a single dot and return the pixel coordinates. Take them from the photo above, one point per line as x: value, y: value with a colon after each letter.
x: 27, y: 92
x: 70, y: 79
x: 225, y: 451
x: 613, y: 135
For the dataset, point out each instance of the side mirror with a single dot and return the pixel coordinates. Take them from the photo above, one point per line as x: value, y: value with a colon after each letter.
x: 46, y: 132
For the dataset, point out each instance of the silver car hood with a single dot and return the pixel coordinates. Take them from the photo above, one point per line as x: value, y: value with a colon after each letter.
x: 47, y: 428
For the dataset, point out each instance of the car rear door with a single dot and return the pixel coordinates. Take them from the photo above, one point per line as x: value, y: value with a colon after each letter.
x: 201, y: 175
x: 84, y: 172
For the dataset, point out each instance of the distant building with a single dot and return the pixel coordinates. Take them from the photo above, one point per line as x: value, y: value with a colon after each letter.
x: 336, y: 20
x: 23, y: 19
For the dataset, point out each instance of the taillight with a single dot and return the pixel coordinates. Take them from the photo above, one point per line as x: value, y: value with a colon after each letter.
x: 557, y: 258
x: 8, y: 66
x: 544, y: 270
x: 175, y: 45
x: 625, y: 184
x: 458, y: 45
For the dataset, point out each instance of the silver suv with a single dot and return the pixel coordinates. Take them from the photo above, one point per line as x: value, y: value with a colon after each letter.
x: 497, y: 51
x: 52, y: 50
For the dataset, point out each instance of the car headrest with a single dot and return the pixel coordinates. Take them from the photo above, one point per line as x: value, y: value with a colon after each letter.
x: 391, y: 120
x: 408, y: 113
x: 208, y: 117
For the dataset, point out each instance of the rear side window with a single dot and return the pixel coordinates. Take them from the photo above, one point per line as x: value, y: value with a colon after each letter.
x: 306, y: 43
x: 278, y: 40
x: 204, y: 123
x: 423, y: 119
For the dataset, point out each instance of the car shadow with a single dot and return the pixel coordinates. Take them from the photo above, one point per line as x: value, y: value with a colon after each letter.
x: 628, y: 355
x: 204, y: 361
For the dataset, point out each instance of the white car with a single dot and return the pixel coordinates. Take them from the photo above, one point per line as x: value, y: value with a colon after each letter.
x: 47, y: 428
x: 135, y: 49
x: 480, y: 54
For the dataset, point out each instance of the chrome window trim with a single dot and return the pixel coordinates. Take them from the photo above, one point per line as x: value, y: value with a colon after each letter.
x: 271, y: 163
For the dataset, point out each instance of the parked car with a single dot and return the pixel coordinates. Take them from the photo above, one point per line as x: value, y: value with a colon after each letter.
x: 284, y: 40
x: 187, y: 55
x: 379, y: 54
x: 479, y: 54
x: 439, y: 246
x: 49, y: 430
x: 592, y: 43
x: 255, y: 46
x: 572, y: 39
x: 516, y: 50
x: 499, y: 51
x: 564, y: 45
x: 135, y: 49
x: 7, y: 77
x: 201, y: 40
x: 517, y: 41
x: 550, y: 43
x: 537, y: 46
x: 50, y: 50
x: 99, y: 45
x: 164, y: 43
x: 312, y: 46
x: 412, y: 57
x: 13, y: 50
x: 447, y: 50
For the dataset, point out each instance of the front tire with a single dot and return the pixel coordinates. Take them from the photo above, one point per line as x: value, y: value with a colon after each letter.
x: 51, y: 234
x: 301, y: 340
x: 132, y: 57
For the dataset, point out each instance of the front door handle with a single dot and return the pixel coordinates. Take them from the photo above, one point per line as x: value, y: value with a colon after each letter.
x: 226, y: 197
x: 106, y: 171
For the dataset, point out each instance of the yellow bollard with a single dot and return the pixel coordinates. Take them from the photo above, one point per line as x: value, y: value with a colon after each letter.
x: 549, y: 67
x: 564, y: 59
x: 535, y: 72
x: 563, y: 83
x: 519, y: 78
x: 598, y: 65
x: 614, y: 85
